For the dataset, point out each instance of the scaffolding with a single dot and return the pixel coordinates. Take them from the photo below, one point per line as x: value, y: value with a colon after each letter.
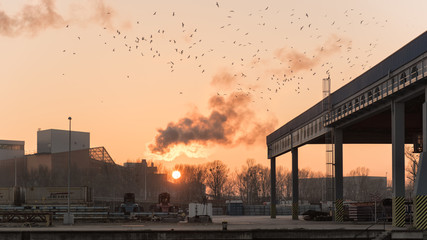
x: 329, y: 141
x: 100, y: 154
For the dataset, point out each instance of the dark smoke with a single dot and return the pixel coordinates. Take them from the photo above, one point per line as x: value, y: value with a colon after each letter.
x: 230, y: 122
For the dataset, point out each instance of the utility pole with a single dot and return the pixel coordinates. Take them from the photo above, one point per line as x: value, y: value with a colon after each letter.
x: 69, y: 218
x: 145, y: 181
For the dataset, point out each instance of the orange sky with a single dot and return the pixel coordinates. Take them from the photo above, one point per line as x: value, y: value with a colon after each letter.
x: 217, y: 78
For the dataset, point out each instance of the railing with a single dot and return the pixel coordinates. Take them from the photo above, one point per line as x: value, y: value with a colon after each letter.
x: 378, y: 92
x: 375, y: 94
x: 26, y: 217
x: 366, y: 230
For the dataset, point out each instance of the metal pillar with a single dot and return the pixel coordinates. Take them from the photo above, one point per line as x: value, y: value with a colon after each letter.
x: 295, y: 191
x: 339, y: 207
x: 398, y: 165
x: 420, y: 190
x: 273, y: 187
x: 69, y: 217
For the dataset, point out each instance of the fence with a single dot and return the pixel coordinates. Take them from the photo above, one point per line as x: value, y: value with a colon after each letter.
x: 260, y: 210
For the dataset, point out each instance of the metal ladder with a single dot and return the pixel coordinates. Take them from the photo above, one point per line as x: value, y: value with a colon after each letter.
x: 329, y: 142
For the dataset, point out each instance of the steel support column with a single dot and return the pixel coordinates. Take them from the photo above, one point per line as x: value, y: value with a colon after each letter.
x: 295, y: 191
x: 273, y: 187
x: 339, y: 208
x: 398, y: 162
x: 420, y: 189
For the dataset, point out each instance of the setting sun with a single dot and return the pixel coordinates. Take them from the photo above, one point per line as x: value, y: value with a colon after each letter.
x: 176, y: 174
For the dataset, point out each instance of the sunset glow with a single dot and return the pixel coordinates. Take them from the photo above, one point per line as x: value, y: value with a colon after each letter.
x: 191, y: 81
x: 176, y: 174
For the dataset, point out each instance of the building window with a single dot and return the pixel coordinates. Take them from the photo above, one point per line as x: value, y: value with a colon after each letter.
x: 414, y: 72
x: 11, y: 147
x: 403, y: 78
x: 315, y: 126
x: 376, y: 92
x: 362, y: 100
x: 369, y: 96
x: 394, y: 82
x: 384, y: 89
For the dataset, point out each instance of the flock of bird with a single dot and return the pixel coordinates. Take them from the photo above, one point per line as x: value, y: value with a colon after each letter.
x: 255, y: 67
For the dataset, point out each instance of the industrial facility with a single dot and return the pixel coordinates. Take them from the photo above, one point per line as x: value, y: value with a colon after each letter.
x: 95, y: 178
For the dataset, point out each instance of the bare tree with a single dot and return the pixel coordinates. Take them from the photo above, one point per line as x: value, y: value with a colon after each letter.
x: 216, y: 178
x: 265, y: 184
x: 191, y: 182
x: 411, y: 167
x: 311, y: 186
x: 281, y: 180
x: 357, y: 187
x: 250, y: 180
x: 230, y: 186
x: 288, y: 184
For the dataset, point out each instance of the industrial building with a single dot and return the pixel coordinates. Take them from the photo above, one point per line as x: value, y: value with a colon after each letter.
x: 90, y: 167
x: 56, y: 141
x: 11, y: 149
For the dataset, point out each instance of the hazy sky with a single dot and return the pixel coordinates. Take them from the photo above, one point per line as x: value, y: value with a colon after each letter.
x: 190, y: 81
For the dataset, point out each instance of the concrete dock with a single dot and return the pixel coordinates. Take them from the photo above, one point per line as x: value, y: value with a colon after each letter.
x: 238, y: 227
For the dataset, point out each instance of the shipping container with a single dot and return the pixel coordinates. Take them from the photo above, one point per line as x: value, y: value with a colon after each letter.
x: 57, y: 195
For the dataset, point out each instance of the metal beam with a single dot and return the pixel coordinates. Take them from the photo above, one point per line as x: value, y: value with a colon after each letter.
x: 398, y: 162
x: 420, y: 188
x: 339, y: 196
x: 295, y: 190
x: 273, y: 187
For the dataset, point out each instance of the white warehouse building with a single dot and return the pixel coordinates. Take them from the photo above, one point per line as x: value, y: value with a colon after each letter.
x: 56, y: 141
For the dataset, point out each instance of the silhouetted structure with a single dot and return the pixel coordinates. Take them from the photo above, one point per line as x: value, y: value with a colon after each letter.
x: 91, y: 167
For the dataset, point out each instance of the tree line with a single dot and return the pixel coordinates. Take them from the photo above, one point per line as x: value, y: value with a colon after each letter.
x: 252, y: 183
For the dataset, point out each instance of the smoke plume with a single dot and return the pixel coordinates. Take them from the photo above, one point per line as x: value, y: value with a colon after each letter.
x: 298, y: 61
x: 230, y: 122
x: 223, y: 80
x: 103, y: 14
x: 31, y: 19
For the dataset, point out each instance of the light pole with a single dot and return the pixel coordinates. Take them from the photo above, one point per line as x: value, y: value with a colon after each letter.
x: 68, y: 218
x: 145, y: 181
x: 15, y: 175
